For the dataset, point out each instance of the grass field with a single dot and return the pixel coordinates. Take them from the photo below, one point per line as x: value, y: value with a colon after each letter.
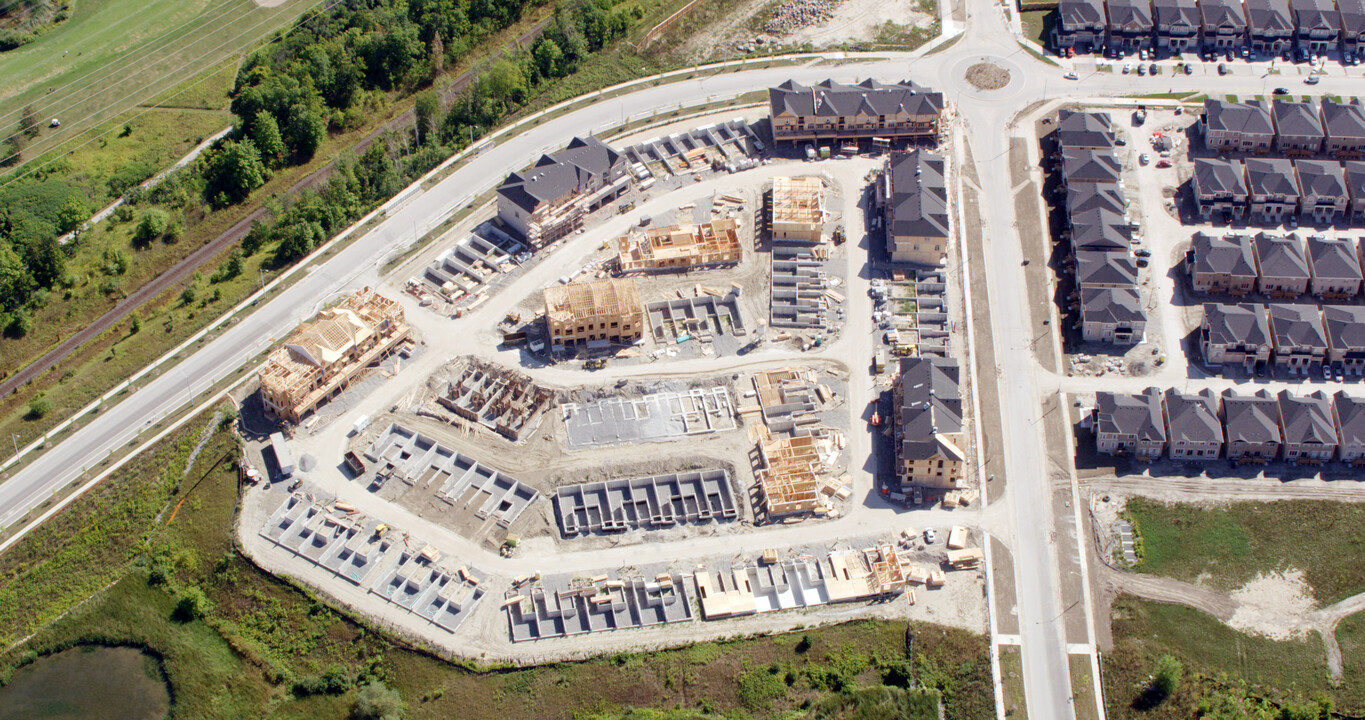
x: 1227, y: 546
x: 1082, y: 687
x: 264, y: 649
x: 1222, y: 667
x: 1012, y: 682
x: 1351, y: 639
x: 1037, y: 25
x: 116, y: 56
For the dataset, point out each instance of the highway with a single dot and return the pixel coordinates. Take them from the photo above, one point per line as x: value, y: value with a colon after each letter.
x: 986, y: 117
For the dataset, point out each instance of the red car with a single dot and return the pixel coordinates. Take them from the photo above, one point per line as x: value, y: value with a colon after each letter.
x: 1163, y: 163
x: 1071, y: 52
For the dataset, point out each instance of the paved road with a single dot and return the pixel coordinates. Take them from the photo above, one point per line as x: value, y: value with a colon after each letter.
x: 986, y: 116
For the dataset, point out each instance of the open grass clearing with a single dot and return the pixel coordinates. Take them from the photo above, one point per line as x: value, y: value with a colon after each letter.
x: 1012, y: 682
x: 1037, y: 25
x: 1221, y: 667
x: 1082, y: 687
x: 1227, y: 546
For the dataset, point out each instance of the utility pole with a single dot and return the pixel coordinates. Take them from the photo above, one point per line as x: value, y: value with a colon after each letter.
x: 14, y: 437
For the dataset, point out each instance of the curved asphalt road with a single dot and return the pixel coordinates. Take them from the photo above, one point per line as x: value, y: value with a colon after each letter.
x: 986, y: 116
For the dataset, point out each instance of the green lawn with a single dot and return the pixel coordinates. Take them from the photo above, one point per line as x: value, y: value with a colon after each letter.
x: 1230, y: 545
x: 113, y: 56
x: 1222, y: 667
x: 1012, y: 682
x: 1351, y: 639
x: 1037, y: 25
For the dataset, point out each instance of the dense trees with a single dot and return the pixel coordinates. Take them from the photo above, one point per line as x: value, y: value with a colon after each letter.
x: 232, y: 172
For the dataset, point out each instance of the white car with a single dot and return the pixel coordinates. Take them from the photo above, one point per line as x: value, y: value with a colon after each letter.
x: 1127, y: 68
x: 930, y: 536
x: 1072, y: 76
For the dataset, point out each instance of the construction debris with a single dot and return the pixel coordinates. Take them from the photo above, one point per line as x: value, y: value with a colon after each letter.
x: 500, y: 399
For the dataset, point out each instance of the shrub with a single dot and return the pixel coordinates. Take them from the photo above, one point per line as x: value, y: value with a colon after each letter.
x: 151, y: 226
x: 37, y: 408
x: 375, y: 701
x: 192, y: 605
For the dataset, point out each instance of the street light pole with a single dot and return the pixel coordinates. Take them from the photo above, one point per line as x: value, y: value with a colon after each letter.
x: 14, y: 437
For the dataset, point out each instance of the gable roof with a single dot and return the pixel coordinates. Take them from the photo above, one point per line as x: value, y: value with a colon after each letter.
x: 1130, y: 15
x: 869, y: 97
x: 553, y: 176
x: 1343, y: 120
x: 1269, y: 16
x: 1177, y: 12
x: 1307, y: 418
x: 1296, y: 325
x: 1127, y: 414
x: 919, y: 196
x: 1299, y: 119
x: 1280, y: 257
x: 1250, y: 418
x: 931, y: 406
x: 1252, y: 116
x: 1240, y: 324
x: 1214, y: 176
x: 1333, y: 259
x: 1111, y: 305
x: 1076, y: 129
x: 1223, y: 13
x: 1089, y: 165
x: 1352, y: 15
x: 1083, y: 196
x: 1349, y: 412
x: 1271, y: 176
x: 1072, y: 13
x: 1192, y: 418
x: 1321, y: 178
x: 1355, y: 177
x: 1310, y: 15
x: 1100, y: 230
x: 1345, y: 325
x: 1224, y: 255
x: 1105, y: 268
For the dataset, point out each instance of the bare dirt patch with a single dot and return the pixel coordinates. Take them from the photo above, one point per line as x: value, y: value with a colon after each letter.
x: 1270, y: 604
x: 988, y: 76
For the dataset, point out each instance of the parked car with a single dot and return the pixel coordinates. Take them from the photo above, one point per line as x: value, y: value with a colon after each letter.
x: 930, y: 536
x: 1326, y: 371
x: 1311, y: 80
x: 1163, y: 163
x: 1142, y: 55
x: 1144, y: 158
x: 1071, y: 75
x: 1280, y: 91
x: 1127, y: 68
x: 1142, y: 69
x: 1142, y: 252
x: 1189, y: 70
x: 1222, y: 69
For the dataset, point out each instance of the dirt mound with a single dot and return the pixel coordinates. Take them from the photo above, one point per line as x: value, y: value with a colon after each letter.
x: 1276, y: 605
x: 988, y: 76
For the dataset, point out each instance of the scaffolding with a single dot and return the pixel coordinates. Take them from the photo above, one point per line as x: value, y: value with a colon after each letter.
x: 322, y: 357
x: 594, y: 312
x: 789, y: 480
x: 683, y: 246
x: 798, y: 209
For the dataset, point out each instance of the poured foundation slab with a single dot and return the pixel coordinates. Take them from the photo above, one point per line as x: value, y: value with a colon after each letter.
x: 652, y: 503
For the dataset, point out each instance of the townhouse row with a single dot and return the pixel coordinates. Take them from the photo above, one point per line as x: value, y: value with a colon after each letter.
x: 1294, y: 128
x: 1311, y: 429
x: 1262, y: 26
x: 1288, y: 336
x: 1098, y: 229
x: 1275, y: 265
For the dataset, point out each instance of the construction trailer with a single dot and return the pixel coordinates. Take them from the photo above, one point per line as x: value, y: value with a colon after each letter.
x: 680, y: 247
x: 594, y: 314
x: 321, y: 357
x: 283, y: 458
x: 798, y: 209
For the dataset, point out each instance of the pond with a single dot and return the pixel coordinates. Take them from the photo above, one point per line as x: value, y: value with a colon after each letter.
x: 89, y: 683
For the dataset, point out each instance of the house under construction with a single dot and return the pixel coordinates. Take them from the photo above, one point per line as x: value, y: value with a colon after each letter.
x: 680, y: 247
x: 322, y: 357
x: 594, y: 314
x: 500, y: 399
x: 789, y: 479
x: 798, y: 209
x: 800, y: 582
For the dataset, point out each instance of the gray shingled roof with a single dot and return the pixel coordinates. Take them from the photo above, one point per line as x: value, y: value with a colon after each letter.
x: 1212, y: 176
x: 1100, y: 230
x: 1252, y: 116
x: 1355, y: 177
x: 869, y: 97
x: 1280, y: 257
x: 1175, y: 13
x: 1307, y: 419
x: 1223, y: 13
x: 1240, y: 324
x: 555, y: 175
x: 1310, y: 15
x: 1077, y: 129
x: 1333, y: 259
x: 1081, y: 12
x: 919, y: 199
x: 1105, y: 268
x: 1192, y: 418
x: 1111, y: 305
x: 931, y: 403
x: 1130, y: 15
x: 1269, y: 16
x: 1350, y: 411
x: 1125, y: 414
x: 1296, y: 325
x: 1299, y: 119
x: 1345, y: 325
x: 1250, y: 418
x: 1088, y: 165
x: 1083, y: 196
x: 1323, y: 178
x: 1271, y: 176
x: 1344, y: 120
x: 1224, y: 256
x: 1352, y: 15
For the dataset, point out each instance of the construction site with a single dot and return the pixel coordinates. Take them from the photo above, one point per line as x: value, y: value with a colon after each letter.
x: 593, y: 314
x: 500, y: 399
x: 322, y: 357
x: 680, y: 247
x: 797, y: 209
